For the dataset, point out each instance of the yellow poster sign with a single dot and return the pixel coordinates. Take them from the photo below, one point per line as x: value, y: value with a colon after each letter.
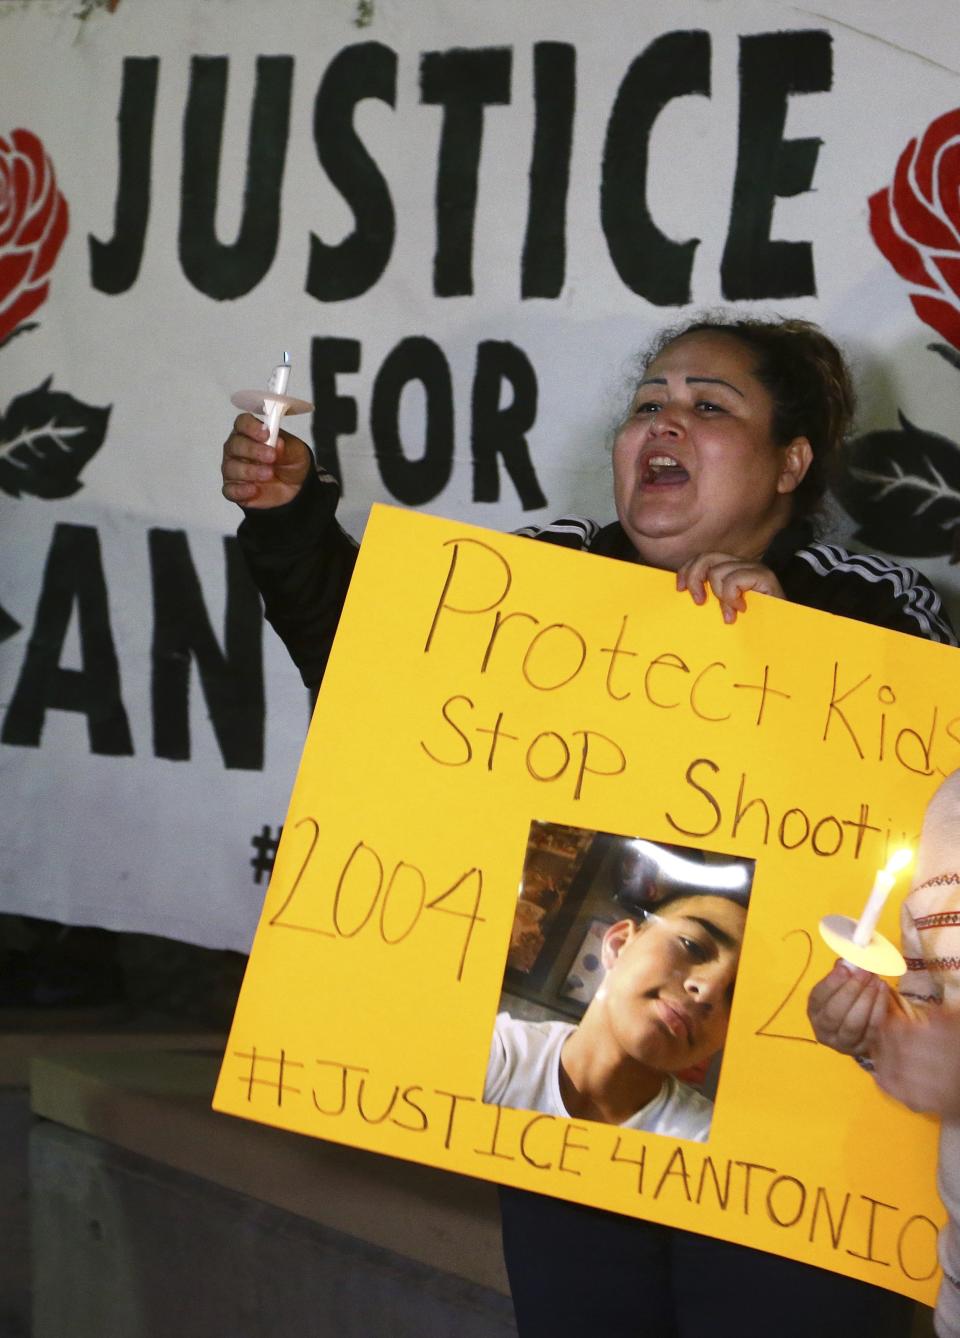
x: 501, y: 716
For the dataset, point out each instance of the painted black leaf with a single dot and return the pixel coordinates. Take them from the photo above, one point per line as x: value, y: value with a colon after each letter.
x: 903, y: 490
x: 947, y: 351
x: 20, y: 329
x: 46, y: 439
x: 8, y: 625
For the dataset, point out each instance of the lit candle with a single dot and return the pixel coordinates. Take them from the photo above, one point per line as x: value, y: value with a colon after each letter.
x: 884, y: 881
x: 273, y: 403
x: 276, y: 386
x: 280, y: 377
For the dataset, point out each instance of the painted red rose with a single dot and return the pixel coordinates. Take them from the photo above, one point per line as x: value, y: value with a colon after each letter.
x: 33, y: 224
x: 915, y: 222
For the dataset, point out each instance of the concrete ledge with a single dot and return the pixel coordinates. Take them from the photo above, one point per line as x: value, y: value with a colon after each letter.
x: 158, y: 1106
x: 23, y: 1035
x: 218, y: 1226
x: 15, y: 1123
x: 128, y: 1248
x: 45, y: 1034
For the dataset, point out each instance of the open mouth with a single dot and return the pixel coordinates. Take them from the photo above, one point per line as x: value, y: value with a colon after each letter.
x: 662, y: 471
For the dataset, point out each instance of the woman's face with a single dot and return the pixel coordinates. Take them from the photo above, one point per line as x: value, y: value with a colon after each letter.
x: 695, y: 469
x: 669, y: 981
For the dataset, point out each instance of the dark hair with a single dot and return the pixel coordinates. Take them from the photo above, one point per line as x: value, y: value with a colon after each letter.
x: 639, y: 907
x: 807, y: 378
x: 740, y: 897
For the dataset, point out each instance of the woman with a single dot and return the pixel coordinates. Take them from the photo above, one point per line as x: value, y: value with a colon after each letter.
x: 717, y: 468
x: 721, y: 459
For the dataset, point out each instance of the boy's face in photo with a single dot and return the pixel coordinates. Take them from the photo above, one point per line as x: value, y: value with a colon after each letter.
x: 669, y: 981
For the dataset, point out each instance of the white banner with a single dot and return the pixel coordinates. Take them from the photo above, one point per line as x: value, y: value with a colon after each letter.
x: 463, y: 221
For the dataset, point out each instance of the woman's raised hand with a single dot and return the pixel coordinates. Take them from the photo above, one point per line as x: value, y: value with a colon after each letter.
x: 729, y: 578
x: 257, y: 475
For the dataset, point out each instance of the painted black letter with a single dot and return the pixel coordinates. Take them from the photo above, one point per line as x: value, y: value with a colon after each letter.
x: 333, y: 415
x: 650, y: 264
x: 224, y: 270
x: 352, y: 266
x: 114, y: 265
x: 73, y: 576
x: 502, y: 431
x: 413, y: 481
x: 545, y: 245
x: 463, y: 82
x: 772, y: 67
x: 232, y: 680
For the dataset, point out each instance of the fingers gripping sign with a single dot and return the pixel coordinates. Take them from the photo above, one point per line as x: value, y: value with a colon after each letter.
x: 730, y: 578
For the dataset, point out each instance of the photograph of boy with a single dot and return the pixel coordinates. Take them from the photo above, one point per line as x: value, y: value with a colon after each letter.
x: 662, y: 1008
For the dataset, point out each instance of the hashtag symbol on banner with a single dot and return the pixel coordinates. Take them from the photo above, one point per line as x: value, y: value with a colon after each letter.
x: 265, y: 844
x: 276, y: 1072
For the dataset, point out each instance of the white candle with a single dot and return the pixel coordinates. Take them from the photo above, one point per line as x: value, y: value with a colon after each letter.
x: 277, y: 385
x: 280, y: 377
x: 882, y: 884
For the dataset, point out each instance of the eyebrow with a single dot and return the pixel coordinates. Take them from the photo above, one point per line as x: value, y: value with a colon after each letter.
x: 693, y: 381
x: 719, y: 935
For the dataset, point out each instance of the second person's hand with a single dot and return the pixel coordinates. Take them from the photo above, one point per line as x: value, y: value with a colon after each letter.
x: 847, y: 1008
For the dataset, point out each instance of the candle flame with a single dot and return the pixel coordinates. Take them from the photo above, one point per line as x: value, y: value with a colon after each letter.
x: 898, y: 861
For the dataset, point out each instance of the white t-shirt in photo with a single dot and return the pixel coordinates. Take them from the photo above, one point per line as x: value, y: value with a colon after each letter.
x: 523, y: 1072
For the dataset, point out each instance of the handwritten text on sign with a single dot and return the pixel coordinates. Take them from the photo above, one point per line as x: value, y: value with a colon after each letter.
x: 479, y: 682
